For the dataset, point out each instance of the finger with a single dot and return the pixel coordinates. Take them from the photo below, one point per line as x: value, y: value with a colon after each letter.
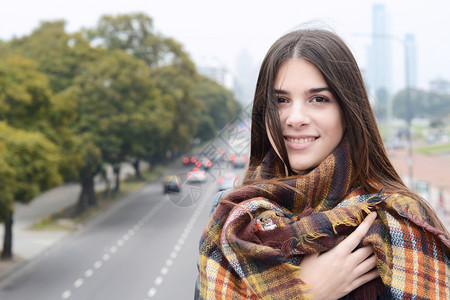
x: 362, y: 253
x: 353, y: 240
x: 364, y: 279
x: 365, y: 266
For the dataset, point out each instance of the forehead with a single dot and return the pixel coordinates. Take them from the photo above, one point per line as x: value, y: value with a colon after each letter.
x: 297, y: 73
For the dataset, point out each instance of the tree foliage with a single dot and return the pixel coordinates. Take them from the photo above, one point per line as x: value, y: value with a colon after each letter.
x: 32, y: 161
x: 414, y: 103
x: 218, y: 102
x: 122, y: 108
x: 172, y: 71
x: 69, y: 103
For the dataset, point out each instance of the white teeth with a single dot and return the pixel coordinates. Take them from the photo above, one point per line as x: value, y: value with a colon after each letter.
x: 301, y: 141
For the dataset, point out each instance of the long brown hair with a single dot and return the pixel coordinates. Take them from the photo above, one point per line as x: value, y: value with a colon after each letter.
x: 329, y: 53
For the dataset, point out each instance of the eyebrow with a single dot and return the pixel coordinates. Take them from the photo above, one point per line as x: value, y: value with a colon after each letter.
x: 310, y: 91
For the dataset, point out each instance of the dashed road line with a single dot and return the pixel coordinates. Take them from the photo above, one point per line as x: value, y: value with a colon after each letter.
x: 112, y: 250
x: 169, y: 262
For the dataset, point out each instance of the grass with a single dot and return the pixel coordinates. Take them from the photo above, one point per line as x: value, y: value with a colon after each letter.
x: 66, y: 219
x: 433, y: 149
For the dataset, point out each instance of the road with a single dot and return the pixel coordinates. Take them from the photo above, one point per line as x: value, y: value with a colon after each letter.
x: 144, y: 247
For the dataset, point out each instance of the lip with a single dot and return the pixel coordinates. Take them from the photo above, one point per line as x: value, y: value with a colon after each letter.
x: 304, y: 141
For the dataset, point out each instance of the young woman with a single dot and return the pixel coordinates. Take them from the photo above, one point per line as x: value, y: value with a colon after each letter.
x: 318, y: 167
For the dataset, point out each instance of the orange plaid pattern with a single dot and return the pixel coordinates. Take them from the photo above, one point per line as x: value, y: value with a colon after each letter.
x: 255, y: 238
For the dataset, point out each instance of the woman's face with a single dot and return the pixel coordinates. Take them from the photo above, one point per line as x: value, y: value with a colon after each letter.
x: 311, y: 119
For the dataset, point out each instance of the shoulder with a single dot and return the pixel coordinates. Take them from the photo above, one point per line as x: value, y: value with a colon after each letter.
x: 217, y: 198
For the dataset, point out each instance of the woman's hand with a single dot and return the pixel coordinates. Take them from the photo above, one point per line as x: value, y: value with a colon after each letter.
x: 337, y: 272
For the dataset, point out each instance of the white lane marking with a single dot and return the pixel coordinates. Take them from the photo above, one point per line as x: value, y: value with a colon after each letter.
x: 106, y: 256
x: 66, y: 294
x: 79, y: 282
x: 159, y: 280
x: 151, y: 292
x: 98, y: 264
x: 164, y: 270
x: 169, y: 262
x: 88, y: 273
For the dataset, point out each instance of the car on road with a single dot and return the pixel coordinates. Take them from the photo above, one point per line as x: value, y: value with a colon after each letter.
x: 227, y: 181
x: 171, y: 183
x: 189, y: 160
x: 197, y: 175
x: 203, y: 163
x: 238, y: 161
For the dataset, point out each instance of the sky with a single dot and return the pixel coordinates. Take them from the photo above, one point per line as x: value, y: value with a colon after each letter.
x: 220, y: 30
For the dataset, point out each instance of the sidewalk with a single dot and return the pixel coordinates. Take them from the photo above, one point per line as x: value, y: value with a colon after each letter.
x: 28, y: 244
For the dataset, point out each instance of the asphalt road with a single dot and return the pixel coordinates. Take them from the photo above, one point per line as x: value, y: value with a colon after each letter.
x: 144, y: 247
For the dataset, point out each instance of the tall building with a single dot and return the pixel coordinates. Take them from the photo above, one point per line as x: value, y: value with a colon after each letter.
x: 410, y: 60
x: 245, y: 77
x: 379, y: 71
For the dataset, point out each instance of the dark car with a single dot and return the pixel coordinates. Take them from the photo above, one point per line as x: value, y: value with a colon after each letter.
x: 238, y: 161
x: 171, y: 183
x: 189, y: 160
x: 203, y: 163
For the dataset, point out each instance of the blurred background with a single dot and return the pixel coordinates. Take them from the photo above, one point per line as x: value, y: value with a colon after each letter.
x: 120, y: 121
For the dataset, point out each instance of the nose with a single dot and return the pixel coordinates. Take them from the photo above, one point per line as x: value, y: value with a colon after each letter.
x: 297, y: 115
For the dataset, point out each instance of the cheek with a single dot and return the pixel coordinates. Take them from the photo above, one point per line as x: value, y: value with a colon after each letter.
x: 337, y: 124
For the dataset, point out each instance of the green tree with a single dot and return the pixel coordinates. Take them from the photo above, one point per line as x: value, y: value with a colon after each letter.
x: 29, y: 123
x: 171, y: 69
x: 33, y: 161
x: 408, y: 104
x: 218, y: 102
x: 60, y: 56
x: 132, y: 33
x: 121, y: 107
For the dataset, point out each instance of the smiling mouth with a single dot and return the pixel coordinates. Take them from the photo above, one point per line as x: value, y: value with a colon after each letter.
x: 301, y: 140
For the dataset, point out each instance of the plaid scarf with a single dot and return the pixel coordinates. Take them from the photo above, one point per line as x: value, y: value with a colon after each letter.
x: 256, y: 236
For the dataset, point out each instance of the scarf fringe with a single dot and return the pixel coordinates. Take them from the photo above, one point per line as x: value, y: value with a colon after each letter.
x: 239, y: 262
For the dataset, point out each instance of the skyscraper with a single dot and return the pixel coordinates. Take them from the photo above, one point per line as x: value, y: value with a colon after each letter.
x: 379, y: 69
x: 411, y: 61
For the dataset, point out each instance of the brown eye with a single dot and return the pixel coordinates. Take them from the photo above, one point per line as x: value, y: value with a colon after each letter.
x: 281, y: 100
x: 319, y: 100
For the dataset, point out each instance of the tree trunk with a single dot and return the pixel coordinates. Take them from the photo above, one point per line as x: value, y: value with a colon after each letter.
x: 137, y: 169
x: 87, y: 196
x: 7, y: 239
x: 106, y: 181
x: 116, y: 170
